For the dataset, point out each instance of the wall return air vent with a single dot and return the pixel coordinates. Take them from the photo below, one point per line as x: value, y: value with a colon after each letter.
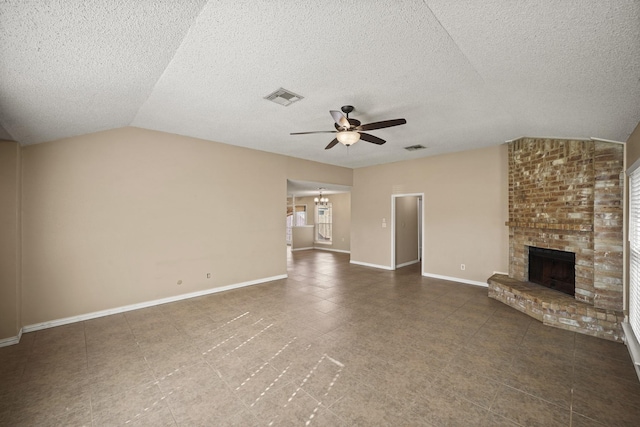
x: 283, y: 97
x: 415, y: 147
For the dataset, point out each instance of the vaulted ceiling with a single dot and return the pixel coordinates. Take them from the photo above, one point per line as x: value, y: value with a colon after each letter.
x: 463, y: 73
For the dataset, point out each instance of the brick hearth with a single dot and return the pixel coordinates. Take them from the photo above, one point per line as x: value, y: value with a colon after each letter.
x: 567, y: 195
x: 556, y: 309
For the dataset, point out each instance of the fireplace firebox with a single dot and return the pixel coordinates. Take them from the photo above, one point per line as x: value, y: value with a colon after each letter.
x: 553, y: 269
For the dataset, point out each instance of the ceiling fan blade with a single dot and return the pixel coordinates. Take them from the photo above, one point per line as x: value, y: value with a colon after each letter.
x: 331, y: 144
x: 383, y: 124
x: 307, y: 133
x: 340, y: 118
x: 370, y: 138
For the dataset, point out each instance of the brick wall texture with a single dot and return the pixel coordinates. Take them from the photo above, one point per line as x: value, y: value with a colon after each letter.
x: 567, y: 195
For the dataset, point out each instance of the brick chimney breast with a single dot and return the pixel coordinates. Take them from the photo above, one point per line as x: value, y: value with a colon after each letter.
x: 567, y: 195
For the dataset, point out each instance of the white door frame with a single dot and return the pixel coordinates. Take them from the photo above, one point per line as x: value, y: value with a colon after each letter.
x: 393, y: 225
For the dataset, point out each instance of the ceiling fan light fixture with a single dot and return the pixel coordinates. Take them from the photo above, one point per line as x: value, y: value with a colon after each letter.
x: 348, y: 137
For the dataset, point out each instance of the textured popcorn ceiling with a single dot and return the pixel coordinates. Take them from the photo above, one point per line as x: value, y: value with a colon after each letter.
x: 464, y: 74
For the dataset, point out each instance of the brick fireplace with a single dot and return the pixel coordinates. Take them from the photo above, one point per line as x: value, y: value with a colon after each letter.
x: 566, y: 195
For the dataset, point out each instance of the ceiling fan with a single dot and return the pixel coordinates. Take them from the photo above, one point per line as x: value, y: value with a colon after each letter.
x: 349, y: 131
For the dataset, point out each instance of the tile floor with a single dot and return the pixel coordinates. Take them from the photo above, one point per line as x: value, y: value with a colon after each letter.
x: 334, y: 344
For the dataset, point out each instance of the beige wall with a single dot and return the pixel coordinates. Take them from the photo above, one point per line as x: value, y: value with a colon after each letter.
x: 302, y: 237
x: 465, y: 208
x: 632, y: 147
x: 306, y: 170
x: 406, y: 218
x: 10, y: 240
x: 341, y: 209
x: 119, y: 217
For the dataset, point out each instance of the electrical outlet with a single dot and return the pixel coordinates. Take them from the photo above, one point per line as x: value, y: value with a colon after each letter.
x: 462, y: 267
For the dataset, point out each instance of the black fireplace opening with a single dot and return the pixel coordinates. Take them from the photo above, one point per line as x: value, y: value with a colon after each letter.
x: 553, y: 269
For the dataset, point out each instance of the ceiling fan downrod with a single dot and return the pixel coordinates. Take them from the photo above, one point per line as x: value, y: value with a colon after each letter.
x: 346, y: 109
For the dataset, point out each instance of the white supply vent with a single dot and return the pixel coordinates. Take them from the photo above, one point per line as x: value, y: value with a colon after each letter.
x: 283, y: 97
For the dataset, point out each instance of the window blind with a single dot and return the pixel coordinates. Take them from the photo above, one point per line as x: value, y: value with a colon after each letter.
x: 634, y: 256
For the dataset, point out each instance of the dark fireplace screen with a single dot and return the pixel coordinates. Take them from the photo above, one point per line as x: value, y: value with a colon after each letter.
x: 553, y: 269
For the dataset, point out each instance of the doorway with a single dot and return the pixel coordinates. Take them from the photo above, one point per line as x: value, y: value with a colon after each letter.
x: 296, y: 217
x: 406, y: 229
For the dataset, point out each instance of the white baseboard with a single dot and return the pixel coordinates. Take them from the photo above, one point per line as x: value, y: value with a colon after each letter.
x: 332, y: 250
x: 366, y: 264
x: 102, y: 313
x: 633, y: 346
x: 456, y: 279
x: 404, y: 264
x: 11, y: 340
x: 302, y: 249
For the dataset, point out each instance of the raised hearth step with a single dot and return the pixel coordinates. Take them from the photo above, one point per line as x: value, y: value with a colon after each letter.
x: 556, y: 309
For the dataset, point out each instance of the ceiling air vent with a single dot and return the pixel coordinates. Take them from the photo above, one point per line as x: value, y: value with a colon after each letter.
x: 283, y: 97
x: 415, y: 147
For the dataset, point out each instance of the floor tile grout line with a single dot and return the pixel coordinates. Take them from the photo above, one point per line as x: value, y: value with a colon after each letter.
x: 536, y: 397
x: 86, y: 350
x: 86, y: 345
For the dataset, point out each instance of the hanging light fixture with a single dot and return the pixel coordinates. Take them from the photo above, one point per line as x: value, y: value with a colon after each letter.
x: 320, y: 200
x: 348, y: 137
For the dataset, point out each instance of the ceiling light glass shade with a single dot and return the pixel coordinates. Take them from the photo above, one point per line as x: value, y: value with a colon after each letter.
x: 348, y: 137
